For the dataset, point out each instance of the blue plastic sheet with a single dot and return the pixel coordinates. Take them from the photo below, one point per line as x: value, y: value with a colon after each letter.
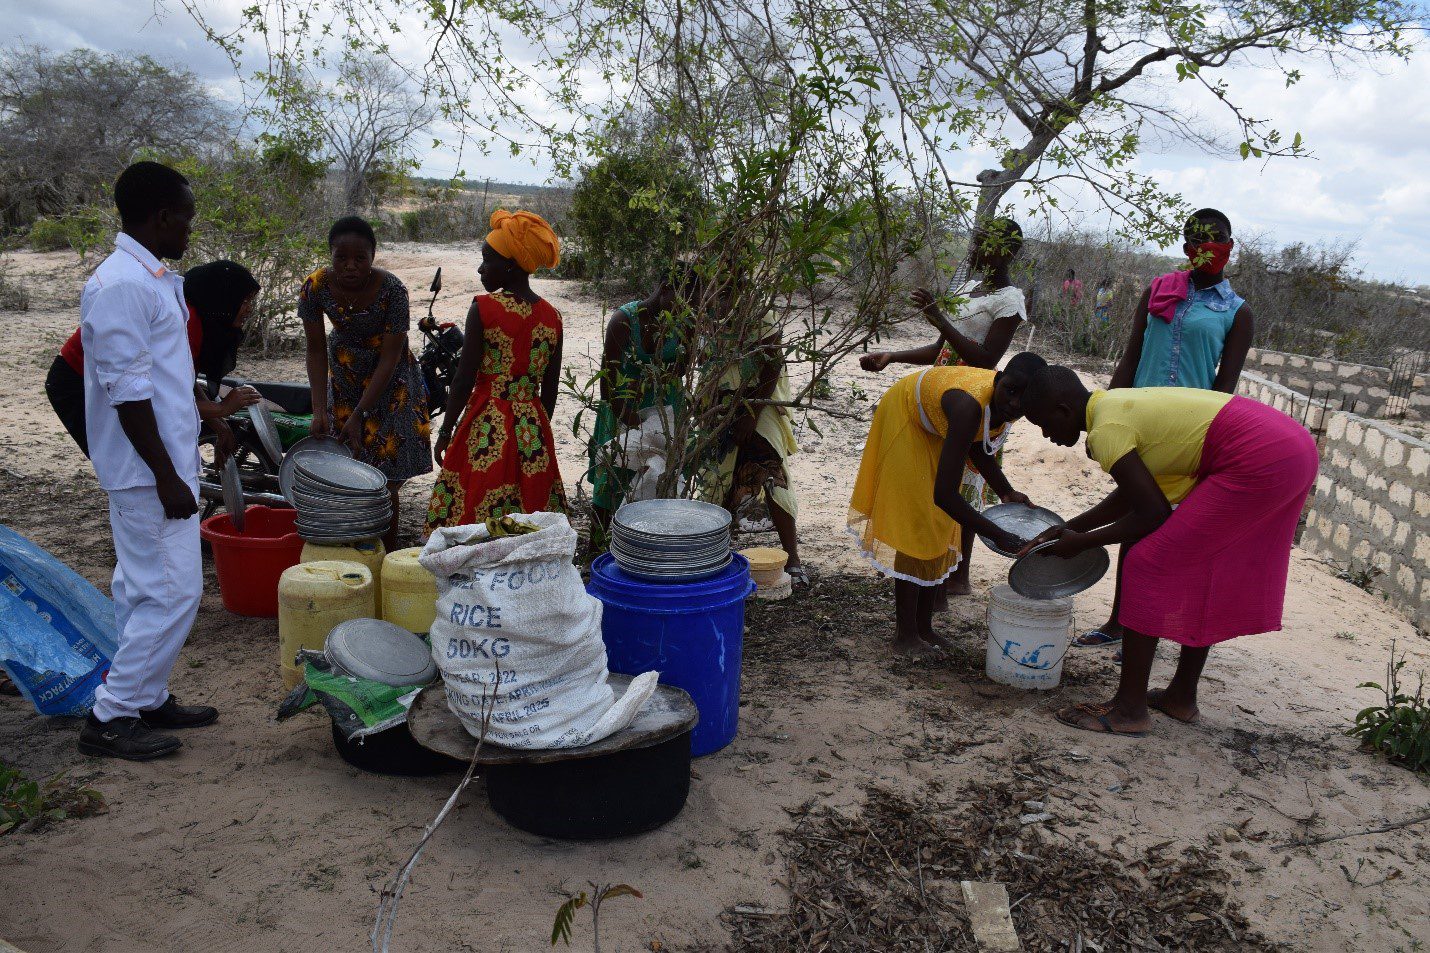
x: 57, y: 632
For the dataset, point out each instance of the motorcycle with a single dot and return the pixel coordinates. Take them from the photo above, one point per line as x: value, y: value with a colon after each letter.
x: 258, y: 472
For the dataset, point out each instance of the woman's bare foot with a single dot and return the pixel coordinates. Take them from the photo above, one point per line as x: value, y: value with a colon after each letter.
x: 934, y: 639
x: 1105, y: 719
x: 958, y: 585
x: 1174, y: 708
x: 911, y: 646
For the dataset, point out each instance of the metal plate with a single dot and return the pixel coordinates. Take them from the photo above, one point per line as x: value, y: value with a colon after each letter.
x: 266, y: 431
x: 339, y: 504
x: 233, y: 493
x: 380, y: 651
x: 287, y: 471
x: 1023, y: 521
x: 700, y: 554
x: 341, y: 540
x: 676, y: 575
x: 1039, y: 576
x: 673, y: 518
x: 668, y: 713
x: 339, y: 472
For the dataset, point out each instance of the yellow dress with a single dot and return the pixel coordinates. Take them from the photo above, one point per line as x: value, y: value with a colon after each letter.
x: 892, y: 513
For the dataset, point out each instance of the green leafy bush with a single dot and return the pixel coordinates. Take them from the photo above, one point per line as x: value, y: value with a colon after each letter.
x: 629, y: 213
x: 81, y: 230
x: 34, y: 804
x: 1399, y: 726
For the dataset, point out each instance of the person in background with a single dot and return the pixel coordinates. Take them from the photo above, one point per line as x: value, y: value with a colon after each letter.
x: 1190, y: 330
x: 501, y: 457
x: 644, y: 359
x: 1209, y: 489
x: 367, y: 387
x: 752, y: 457
x: 906, y: 511
x: 1072, y: 293
x: 143, y: 431
x: 985, y: 326
x: 220, y: 296
x: 1102, y: 300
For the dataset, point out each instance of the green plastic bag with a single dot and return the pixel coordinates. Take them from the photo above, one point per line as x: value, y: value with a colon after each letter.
x: 358, y: 706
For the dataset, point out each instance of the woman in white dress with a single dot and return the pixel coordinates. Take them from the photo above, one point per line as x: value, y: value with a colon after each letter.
x: 978, y: 336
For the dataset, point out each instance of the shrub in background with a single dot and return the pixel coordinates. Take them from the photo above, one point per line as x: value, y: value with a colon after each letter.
x: 628, y: 213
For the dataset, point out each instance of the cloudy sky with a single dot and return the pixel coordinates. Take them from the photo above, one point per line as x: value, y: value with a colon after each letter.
x: 1368, y: 181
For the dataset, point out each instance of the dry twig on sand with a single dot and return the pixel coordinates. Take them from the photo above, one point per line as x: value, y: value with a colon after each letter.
x: 1382, y: 829
x: 392, y: 893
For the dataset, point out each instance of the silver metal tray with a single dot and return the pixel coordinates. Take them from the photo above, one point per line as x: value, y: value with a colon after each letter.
x: 1040, y: 576
x: 287, y: 471
x: 233, y: 493
x: 266, y: 431
x: 678, y: 518
x: 1023, y: 521
x: 339, y: 472
x: 381, y: 651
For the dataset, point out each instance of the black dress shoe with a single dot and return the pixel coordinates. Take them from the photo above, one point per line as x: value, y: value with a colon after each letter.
x: 127, y: 738
x: 173, y: 715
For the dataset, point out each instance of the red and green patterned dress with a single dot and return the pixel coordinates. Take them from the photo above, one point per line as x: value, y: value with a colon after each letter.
x: 502, y: 458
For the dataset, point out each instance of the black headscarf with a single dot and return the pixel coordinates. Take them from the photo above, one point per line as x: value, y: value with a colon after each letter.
x: 216, y: 291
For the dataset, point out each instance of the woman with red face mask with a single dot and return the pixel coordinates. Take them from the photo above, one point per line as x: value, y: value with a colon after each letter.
x: 1190, y: 330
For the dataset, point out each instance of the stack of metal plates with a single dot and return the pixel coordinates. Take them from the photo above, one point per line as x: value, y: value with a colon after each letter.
x: 339, y: 500
x: 671, y: 540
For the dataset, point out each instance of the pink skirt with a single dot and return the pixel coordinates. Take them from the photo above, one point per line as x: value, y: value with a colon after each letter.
x: 1216, y: 569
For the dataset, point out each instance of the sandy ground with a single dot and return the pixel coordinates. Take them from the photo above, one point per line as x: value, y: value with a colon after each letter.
x: 257, y: 837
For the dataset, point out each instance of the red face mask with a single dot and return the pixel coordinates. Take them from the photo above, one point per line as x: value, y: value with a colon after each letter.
x: 1212, y: 256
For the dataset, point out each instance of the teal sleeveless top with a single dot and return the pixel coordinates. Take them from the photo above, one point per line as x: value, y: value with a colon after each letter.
x: 1186, y: 351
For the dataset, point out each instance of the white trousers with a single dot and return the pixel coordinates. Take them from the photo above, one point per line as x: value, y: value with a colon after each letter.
x: 158, y: 582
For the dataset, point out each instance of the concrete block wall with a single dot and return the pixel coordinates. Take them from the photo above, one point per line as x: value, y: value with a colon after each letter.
x: 1359, y: 388
x: 1371, y: 505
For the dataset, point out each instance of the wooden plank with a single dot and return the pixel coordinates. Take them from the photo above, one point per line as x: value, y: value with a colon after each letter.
x: 992, y: 920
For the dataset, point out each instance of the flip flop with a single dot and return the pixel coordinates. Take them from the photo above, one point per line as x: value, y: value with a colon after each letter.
x: 1095, y: 638
x: 1068, y: 716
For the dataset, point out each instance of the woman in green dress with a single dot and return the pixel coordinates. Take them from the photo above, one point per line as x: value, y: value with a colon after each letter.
x: 642, y: 366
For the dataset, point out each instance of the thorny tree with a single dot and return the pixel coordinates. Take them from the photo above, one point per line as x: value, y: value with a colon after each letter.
x: 826, y: 138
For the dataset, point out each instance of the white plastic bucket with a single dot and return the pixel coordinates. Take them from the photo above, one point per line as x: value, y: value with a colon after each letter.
x: 1027, y: 639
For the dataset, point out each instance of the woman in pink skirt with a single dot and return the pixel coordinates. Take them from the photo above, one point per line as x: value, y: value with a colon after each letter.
x: 1210, y: 488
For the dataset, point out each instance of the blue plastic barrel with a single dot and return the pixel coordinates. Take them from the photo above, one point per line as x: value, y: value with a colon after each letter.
x: 693, y: 633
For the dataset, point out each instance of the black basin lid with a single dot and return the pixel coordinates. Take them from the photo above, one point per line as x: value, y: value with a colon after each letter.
x: 668, y: 713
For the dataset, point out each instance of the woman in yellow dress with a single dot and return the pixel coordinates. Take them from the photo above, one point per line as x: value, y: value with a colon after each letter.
x: 907, y: 512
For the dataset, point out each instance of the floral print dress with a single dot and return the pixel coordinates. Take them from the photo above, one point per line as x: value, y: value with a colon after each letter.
x: 502, y: 458
x: 396, y: 435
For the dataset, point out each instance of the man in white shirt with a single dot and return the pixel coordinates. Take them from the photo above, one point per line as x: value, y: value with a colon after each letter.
x: 143, y: 430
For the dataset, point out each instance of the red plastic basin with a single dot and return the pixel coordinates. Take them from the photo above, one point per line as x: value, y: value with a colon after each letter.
x: 249, y: 564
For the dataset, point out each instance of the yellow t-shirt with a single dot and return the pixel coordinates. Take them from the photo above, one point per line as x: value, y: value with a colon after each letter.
x: 1167, y: 426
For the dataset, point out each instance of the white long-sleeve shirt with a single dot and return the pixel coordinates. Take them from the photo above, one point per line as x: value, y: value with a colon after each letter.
x: 134, y: 326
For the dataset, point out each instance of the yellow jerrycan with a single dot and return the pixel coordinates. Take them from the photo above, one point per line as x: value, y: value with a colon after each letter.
x: 409, y: 593
x: 369, y: 552
x: 314, y: 597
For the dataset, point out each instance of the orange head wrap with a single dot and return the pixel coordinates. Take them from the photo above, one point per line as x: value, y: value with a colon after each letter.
x: 526, y: 239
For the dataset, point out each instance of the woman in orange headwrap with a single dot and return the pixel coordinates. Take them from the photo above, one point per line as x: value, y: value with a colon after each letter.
x: 501, y: 458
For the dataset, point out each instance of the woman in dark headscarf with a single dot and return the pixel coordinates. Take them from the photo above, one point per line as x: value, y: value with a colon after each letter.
x: 220, y: 296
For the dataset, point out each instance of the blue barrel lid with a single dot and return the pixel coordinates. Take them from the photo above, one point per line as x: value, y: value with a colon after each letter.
x: 732, y: 583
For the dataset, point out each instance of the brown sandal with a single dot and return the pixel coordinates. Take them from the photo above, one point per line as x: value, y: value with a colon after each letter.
x: 1070, y: 716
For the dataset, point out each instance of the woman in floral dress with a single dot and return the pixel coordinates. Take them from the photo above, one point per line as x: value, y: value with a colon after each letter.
x: 501, y: 458
x: 367, y: 386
